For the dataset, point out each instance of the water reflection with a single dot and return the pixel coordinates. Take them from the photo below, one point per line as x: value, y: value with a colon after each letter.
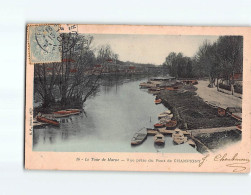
x: 111, y: 119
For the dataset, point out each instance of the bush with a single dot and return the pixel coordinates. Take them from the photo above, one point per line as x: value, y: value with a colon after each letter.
x: 238, y: 88
x: 226, y: 87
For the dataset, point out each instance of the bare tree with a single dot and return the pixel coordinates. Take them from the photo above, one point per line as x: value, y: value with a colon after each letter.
x: 73, y: 80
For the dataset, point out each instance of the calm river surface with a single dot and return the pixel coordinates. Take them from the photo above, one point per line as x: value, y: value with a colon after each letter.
x: 112, y: 117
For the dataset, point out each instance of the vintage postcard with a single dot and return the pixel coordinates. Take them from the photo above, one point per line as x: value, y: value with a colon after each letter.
x: 138, y: 98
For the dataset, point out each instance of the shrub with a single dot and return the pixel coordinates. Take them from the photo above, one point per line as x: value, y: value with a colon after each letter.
x: 227, y: 87
x: 238, y: 88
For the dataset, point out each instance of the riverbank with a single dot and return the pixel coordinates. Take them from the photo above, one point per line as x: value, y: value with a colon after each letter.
x: 192, y: 112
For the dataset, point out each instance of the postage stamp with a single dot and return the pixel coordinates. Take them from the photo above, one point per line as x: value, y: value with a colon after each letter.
x: 138, y: 98
x: 44, y: 44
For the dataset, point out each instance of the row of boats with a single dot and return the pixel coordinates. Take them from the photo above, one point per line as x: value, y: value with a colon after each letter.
x: 166, y: 126
x: 51, y: 119
x: 178, y: 136
x: 156, y: 85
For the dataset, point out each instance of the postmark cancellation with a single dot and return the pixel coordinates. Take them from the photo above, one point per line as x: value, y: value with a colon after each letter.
x: 43, y: 43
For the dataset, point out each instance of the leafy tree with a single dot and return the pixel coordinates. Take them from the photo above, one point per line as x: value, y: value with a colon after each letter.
x: 213, y: 60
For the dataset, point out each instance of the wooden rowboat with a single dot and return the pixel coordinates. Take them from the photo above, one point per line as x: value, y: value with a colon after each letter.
x: 159, y: 125
x: 171, y: 124
x: 68, y: 111
x: 156, y: 92
x: 164, y: 120
x: 237, y: 116
x: 146, y: 85
x: 152, y: 131
x: 49, y: 121
x: 238, y: 127
x: 164, y: 131
x: 158, y: 101
x: 73, y: 110
x: 62, y: 112
x: 159, y: 139
x: 65, y: 113
x: 178, y: 137
x: 163, y: 115
x: 139, y: 137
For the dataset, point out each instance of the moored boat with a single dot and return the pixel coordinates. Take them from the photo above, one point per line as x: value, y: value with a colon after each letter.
x: 165, y: 115
x: 238, y: 127
x: 167, y: 112
x: 152, y: 131
x: 164, y: 131
x: 48, y: 121
x: 159, y: 139
x: 154, y: 89
x: 171, y: 124
x: 157, y: 101
x: 139, y: 137
x: 62, y: 115
x: 178, y: 137
x: 172, y: 88
x: 62, y: 112
x: 164, y: 120
x: 156, y: 92
x: 37, y: 124
x: 159, y: 125
x: 67, y: 111
x: 73, y: 110
x: 237, y: 116
x: 147, y: 84
x: 143, y: 84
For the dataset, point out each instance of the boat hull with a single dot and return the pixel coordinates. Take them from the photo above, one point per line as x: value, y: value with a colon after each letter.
x: 162, y: 142
x: 159, y: 139
x: 179, y: 137
x: 158, y: 101
x: 152, y: 131
x: 139, y: 137
x: 171, y: 125
x: 159, y: 125
x: 48, y: 121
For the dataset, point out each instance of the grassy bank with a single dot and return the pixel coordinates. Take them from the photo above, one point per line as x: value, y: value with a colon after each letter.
x: 218, y: 140
x: 192, y: 112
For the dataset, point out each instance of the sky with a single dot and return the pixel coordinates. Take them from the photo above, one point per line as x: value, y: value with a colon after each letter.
x: 150, y: 48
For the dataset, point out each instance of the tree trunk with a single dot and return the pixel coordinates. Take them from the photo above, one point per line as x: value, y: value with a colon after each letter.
x: 232, y: 84
x: 217, y: 84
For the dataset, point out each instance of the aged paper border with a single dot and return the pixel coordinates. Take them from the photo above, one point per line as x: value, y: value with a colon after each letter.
x: 198, y: 163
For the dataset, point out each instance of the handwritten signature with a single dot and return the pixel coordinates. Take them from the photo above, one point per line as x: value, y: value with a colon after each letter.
x: 234, y: 161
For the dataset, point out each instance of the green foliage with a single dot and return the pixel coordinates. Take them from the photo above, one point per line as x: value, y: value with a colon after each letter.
x: 214, y: 60
x: 178, y: 65
x: 238, y: 88
x: 226, y: 87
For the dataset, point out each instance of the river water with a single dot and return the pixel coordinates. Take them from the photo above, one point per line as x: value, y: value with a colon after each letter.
x: 112, y: 117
